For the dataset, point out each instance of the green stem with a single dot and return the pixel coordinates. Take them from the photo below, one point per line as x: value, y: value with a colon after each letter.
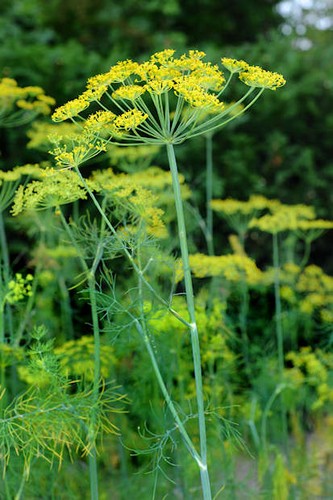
x: 307, y: 252
x: 141, y: 328
x: 267, y: 408
x: 4, y: 279
x: 209, y: 192
x: 243, y: 320
x: 193, y: 325
x: 279, y: 329
x: 93, y: 475
x: 278, y: 309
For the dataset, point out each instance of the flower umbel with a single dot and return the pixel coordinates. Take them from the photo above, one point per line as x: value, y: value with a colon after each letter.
x: 163, y: 100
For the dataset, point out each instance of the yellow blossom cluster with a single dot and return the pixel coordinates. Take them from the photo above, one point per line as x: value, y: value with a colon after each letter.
x: 19, y: 288
x: 56, y: 188
x: 308, y: 290
x: 79, y: 149
x: 70, y: 109
x: 128, y: 92
x: 100, y: 123
x: 10, y: 179
x: 254, y: 76
x: 43, y: 135
x: 312, y: 368
x: 76, y: 358
x: 277, y: 216
x: 52, y: 258
x: 231, y: 206
x: 133, y: 195
x: 284, y: 218
x: 130, y: 120
x: 31, y: 170
x: 233, y: 268
x: 132, y: 158
x: 19, y: 105
x: 316, y: 288
x: 10, y: 355
x: 150, y: 98
x: 239, y: 214
x: 234, y: 65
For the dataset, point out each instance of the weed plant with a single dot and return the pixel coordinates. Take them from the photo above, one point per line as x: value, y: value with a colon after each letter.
x: 127, y: 342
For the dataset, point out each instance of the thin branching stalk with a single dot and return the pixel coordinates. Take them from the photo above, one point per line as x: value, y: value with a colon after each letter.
x: 127, y: 253
x: 193, y: 325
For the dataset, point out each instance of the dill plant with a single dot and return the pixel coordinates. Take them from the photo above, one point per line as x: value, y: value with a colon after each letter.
x: 163, y: 101
x: 51, y: 420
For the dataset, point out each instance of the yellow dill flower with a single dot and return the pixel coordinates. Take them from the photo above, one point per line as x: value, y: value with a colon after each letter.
x: 153, y: 179
x: 283, y: 218
x: 254, y: 76
x: 156, y: 86
x: 234, y: 65
x: 79, y: 149
x: 231, y: 206
x: 320, y: 224
x: 181, y: 99
x: 33, y: 170
x: 313, y: 278
x: 326, y: 315
x: 209, y: 77
x: 100, y: 122
x: 98, y: 83
x: 76, y: 358
x: 191, y: 91
x: 132, y: 158
x: 130, y: 119
x: 190, y: 62
x: 94, y: 94
x: 134, y: 195
x: 123, y: 70
x: 309, y: 230
x: 10, y: 355
x: 234, y: 268
x: 42, y: 134
x: 70, y: 109
x: 19, y: 105
x: 163, y: 57
x: 239, y: 214
x: 57, y: 188
x: 19, y: 288
x: 128, y: 92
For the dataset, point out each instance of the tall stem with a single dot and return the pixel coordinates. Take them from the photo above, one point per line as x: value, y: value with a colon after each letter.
x: 278, y: 309
x: 4, y: 279
x: 209, y: 192
x: 193, y: 325
x: 279, y: 330
x: 93, y: 475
